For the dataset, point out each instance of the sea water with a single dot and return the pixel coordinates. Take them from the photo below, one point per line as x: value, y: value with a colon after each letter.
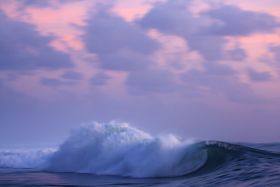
x: 116, y: 154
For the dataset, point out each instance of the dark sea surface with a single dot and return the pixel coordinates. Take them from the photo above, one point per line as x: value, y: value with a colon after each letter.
x: 224, y: 164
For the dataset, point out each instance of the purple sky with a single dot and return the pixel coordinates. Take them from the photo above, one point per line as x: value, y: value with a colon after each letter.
x: 202, y: 69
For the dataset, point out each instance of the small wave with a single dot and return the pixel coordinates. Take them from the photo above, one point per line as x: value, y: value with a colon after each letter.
x: 221, y: 154
x: 25, y: 158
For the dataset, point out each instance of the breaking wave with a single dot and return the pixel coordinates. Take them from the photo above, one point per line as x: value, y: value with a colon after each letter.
x: 25, y: 158
x: 122, y: 150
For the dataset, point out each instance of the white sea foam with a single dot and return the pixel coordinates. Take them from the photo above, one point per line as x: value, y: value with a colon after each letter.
x: 25, y: 158
x: 114, y: 149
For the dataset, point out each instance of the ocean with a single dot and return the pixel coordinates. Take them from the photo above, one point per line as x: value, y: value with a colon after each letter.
x: 121, y: 155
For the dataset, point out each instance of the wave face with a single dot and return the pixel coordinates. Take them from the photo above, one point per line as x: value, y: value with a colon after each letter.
x: 119, y: 149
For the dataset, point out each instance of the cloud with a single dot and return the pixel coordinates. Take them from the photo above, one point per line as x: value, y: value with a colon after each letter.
x: 124, y: 46
x: 175, y: 18
x: 22, y: 48
x: 275, y: 50
x: 129, y: 49
x: 119, y: 45
x: 210, y: 47
x: 206, y: 33
x: 239, y: 22
x: 124, y: 60
x: 151, y: 82
x: 36, y: 3
x: 7, y: 95
x: 172, y: 17
x: 209, y: 102
x: 237, y: 54
x: 228, y: 86
x: 45, y: 3
x: 99, y: 79
x: 108, y: 33
x: 54, y: 82
x: 72, y: 75
x: 258, y: 76
x: 214, y: 68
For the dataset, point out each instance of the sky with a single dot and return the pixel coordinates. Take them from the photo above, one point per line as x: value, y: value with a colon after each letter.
x: 201, y: 69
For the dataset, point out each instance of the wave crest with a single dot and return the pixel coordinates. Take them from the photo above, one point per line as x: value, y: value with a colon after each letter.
x: 119, y: 149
